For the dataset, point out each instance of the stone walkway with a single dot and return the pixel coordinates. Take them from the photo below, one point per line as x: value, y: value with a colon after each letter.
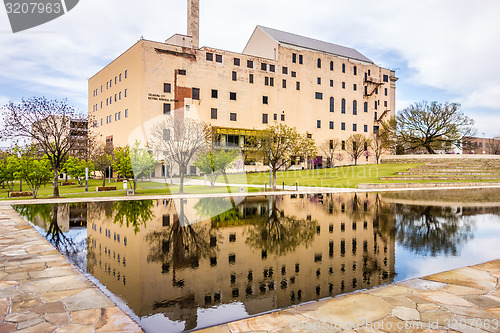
x: 40, y: 291
x: 461, y: 300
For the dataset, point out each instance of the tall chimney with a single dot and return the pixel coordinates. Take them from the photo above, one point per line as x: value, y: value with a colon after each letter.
x: 193, y: 21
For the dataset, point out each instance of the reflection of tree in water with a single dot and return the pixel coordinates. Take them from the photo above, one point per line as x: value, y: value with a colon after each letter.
x: 280, y: 234
x: 219, y: 209
x: 430, y: 230
x: 133, y: 212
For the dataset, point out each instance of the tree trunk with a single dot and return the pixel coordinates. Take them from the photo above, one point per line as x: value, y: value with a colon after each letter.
x: 56, y: 183
x: 274, y: 178
x: 429, y: 150
x: 103, y: 178
x: 181, y: 183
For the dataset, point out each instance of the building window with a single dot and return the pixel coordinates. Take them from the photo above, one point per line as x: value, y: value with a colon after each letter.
x: 332, y: 107
x: 264, y: 118
x: 331, y: 124
x: 284, y: 70
x: 385, y: 103
x: 218, y: 58
x: 236, y: 61
x: 210, y: 56
x: 120, y: 77
x: 282, y: 117
x: 309, y: 136
x: 119, y: 115
x: 355, y: 87
x: 213, y: 113
x: 126, y: 113
x: 365, y: 107
x: 263, y: 66
x: 265, y: 100
x: 101, y: 121
x: 354, y: 127
x: 271, y: 81
x: 215, y: 93
x: 233, y: 75
x: 354, y: 107
x: 318, y: 123
x: 272, y: 68
x: 355, y: 70
x: 331, y: 83
x: 250, y: 78
x: 318, y: 95
x: 385, y: 78
x: 342, y: 126
x: 375, y: 115
x: 365, y: 128
x: 116, y: 97
x: 125, y: 93
x: 385, y: 91
x: 167, y: 108
x: 232, y: 116
x: 297, y: 85
x: 331, y: 65
x: 294, y: 74
x: 319, y: 63
x: 342, y: 106
x: 343, y: 148
x: 301, y: 59
x: 249, y: 63
x: 318, y: 80
x: 196, y: 93
x: 343, y: 68
x: 294, y: 57
x: 275, y: 116
x: 375, y: 105
x: 266, y: 81
x: 167, y: 87
x: 182, y: 72
x: 283, y: 83
x: 125, y: 73
x: 116, y: 116
x: 232, y: 96
x: 343, y: 85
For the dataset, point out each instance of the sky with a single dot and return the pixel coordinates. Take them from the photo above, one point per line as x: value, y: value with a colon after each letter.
x: 441, y: 50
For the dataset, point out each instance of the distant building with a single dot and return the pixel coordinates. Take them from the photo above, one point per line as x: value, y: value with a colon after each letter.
x: 476, y: 145
x: 327, y: 90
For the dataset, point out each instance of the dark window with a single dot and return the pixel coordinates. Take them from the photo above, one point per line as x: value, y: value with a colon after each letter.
x: 218, y: 58
x: 233, y: 75
x: 215, y: 93
x: 250, y: 78
x: 283, y: 84
x: 355, y: 86
x: 365, y: 128
x: 126, y: 74
x: 271, y: 81
x: 331, y: 124
x: 342, y: 126
x: 275, y: 116
x: 294, y: 74
x: 343, y: 85
x: 354, y: 127
x: 264, y: 118
x: 263, y: 66
x: 196, y: 93
x: 297, y: 85
x: 232, y: 116
x: 249, y: 63
x: 126, y: 114
x: 385, y: 78
x: 236, y: 61
x: 331, y: 83
x: 318, y: 80
x: 331, y: 65
x: 301, y: 59
x: 265, y: 100
x: 343, y: 68
x: 354, y: 107
x: 366, y: 91
x: 272, y: 68
x: 309, y: 136
x: 365, y: 106
x: 213, y: 113
x: 167, y: 87
x: 266, y: 80
x: 319, y: 63
x: 166, y: 108
x: 385, y: 103
x: 210, y: 56
x: 355, y: 70
x: 319, y: 95
x: 375, y: 116
x: 232, y: 96
x: 342, y: 106
x: 376, y: 105
x: 318, y: 123
x: 282, y: 117
x: 385, y: 91
x: 182, y: 72
x: 343, y: 148
x: 284, y: 70
x: 294, y: 57
x: 332, y: 106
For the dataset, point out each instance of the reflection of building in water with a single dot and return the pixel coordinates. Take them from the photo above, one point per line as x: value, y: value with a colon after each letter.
x: 266, y: 256
x: 67, y: 215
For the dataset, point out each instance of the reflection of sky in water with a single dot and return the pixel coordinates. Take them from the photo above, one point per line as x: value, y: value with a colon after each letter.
x: 482, y: 247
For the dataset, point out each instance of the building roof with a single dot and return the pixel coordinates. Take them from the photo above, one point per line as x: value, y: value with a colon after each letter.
x: 314, y: 44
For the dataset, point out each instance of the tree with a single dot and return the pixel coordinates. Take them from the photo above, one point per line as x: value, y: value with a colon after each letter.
x: 379, y: 145
x: 133, y: 164
x: 34, y: 170
x: 329, y: 147
x: 433, y: 125
x: 356, y: 145
x: 121, y: 163
x: 214, y: 163
x: 9, y: 165
x: 46, y: 123
x: 279, y: 144
x: 75, y: 168
x: 180, y: 140
x: 101, y: 156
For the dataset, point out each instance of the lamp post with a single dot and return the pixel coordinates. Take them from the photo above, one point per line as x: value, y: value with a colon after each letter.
x: 484, y: 152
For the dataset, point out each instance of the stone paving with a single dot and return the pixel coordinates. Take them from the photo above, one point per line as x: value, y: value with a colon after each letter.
x: 461, y: 300
x: 40, y: 291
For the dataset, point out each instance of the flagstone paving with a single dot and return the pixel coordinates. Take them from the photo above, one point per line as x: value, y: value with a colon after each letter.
x: 40, y: 291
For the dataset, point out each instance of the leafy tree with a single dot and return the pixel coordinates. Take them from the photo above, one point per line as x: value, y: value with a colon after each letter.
x: 329, y: 147
x: 47, y: 124
x: 121, y: 162
x: 133, y: 164
x: 35, y: 171
x: 279, y: 144
x: 75, y: 168
x: 356, y: 145
x: 9, y: 165
x: 133, y: 213
x: 214, y: 163
x: 101, y: 156
x: 433, y: 125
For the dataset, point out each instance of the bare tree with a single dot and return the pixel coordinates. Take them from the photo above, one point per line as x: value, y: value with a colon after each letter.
x: 45, y: 123
x: 180, y: 139
x: 329, y: 147
x: 356, y: 145
x: 494, y: 145
x: 433, y: 125
x: 378, y: 145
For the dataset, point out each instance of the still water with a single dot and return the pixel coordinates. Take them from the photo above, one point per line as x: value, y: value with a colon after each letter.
x: 184, y: 264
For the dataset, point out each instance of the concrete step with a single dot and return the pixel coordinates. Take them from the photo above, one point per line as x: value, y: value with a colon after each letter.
x: 446, y: 172
x: 416, y: 178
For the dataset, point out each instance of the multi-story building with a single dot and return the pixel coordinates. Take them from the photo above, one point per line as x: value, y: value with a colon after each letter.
x: 475, y: 145
x: 327, y: 90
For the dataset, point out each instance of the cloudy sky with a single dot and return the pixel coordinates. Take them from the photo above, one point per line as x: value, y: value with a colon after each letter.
x: 444, y: 50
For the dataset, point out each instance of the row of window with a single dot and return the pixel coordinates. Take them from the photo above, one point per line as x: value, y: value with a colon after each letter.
x: 118, y: 96
x: 118, y: 116
x: 342, y: 126
x: 109, y: 83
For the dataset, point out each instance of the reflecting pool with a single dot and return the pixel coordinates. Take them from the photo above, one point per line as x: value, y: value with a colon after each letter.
x: 184, y: 264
